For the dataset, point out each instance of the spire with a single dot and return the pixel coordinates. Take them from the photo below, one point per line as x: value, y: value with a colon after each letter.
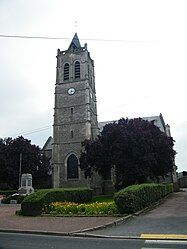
x: 75, y: 42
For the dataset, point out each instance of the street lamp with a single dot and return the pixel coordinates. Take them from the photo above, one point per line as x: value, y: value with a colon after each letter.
x: 20, y: 162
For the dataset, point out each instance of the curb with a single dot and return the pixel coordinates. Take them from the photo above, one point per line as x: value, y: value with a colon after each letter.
x: 36, y: 232
x: 71, y: 234
x: 86, y: 235
x: 90, y: 235
x: 113, y: 223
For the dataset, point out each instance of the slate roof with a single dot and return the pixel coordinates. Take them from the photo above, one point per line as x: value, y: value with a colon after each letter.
x: 158, y: 121
x: 75, y: 43
x: 48, y: 144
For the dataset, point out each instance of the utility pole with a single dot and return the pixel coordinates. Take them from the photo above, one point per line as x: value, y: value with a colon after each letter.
x: 20, y: 162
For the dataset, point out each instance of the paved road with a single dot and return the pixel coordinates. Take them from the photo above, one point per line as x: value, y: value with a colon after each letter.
x: 26, y: 241
x: 168, y: 218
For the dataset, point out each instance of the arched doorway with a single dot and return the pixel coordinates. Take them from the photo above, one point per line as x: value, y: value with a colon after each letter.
x: 72, y: 167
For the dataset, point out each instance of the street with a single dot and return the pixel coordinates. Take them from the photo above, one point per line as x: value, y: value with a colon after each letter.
x: 28, y: 241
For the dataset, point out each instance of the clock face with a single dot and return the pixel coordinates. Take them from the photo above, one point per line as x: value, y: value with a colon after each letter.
x: 71, y: 91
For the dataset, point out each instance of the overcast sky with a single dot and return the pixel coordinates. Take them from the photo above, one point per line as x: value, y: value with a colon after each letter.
x: 140, y: 54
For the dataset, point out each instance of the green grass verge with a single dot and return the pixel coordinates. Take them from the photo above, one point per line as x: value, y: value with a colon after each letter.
x: 102, y: 199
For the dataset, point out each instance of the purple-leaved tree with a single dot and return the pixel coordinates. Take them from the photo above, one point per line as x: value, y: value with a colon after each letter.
x: 135, y: 148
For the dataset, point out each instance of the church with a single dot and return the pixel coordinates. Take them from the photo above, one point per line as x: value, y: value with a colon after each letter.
x: 75, y: 118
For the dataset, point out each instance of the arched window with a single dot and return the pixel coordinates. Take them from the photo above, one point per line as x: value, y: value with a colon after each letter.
x: 77, y: 70
x: 66, y: 71
x: 72, y: 167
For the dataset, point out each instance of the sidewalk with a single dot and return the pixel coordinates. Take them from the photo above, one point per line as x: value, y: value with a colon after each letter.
x: 64, y: 225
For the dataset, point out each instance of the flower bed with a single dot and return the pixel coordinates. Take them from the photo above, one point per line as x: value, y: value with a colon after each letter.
x: 72, y: 208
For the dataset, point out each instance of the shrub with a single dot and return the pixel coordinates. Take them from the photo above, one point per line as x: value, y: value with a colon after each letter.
x: 169, y: 188
x: 33, y: 204
x: 136, y: 197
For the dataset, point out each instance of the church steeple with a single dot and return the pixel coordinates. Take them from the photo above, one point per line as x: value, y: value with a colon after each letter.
x: 75, y: 113
x: 75, y: 43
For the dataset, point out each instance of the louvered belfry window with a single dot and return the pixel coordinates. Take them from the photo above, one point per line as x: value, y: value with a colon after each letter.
x: 66, y: 71
x: 77, y: 70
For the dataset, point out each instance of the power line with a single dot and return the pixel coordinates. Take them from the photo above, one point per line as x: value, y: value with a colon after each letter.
x: 33, y: 37
x: 37, y: 130
x: 33, y: 131
x: 49, y: 127
x: 66, y: 38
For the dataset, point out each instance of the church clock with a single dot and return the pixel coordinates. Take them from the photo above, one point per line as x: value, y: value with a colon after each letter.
x: 71, y: 91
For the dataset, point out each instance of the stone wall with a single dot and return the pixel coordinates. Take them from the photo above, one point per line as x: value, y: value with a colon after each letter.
x: 183, y: 182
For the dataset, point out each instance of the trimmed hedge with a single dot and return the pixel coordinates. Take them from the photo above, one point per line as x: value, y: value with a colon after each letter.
x: 33, y: 204
x: 137, y: 197
x: 8, y: 192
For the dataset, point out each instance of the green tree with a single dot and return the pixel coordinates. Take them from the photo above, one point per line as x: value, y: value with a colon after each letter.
x: 135, y: 148
x: 7, y: 172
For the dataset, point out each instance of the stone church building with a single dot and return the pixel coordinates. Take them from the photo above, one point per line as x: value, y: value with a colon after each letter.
x: 75, y: 118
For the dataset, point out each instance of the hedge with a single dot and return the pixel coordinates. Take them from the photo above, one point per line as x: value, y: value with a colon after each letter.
x: 8, y: 192
x: 33, y: 204
x: 137, y: 197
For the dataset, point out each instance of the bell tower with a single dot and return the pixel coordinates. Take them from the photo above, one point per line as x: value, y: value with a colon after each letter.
x: 75, y: 113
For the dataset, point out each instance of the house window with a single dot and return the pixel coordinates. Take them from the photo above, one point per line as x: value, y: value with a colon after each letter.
x: 66, y: 71
x: 77, y: 70
x: 72, y: 167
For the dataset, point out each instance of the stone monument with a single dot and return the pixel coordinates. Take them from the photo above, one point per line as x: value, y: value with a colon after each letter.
x: 26, y: 185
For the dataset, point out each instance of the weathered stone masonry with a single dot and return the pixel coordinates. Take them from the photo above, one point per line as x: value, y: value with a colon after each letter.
x: 75, y: 113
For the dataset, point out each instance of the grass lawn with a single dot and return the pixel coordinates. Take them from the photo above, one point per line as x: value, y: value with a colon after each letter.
x: 102, y: 199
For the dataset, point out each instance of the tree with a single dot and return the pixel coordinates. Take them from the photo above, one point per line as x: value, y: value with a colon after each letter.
x: 7, y: 173
x: 135, y: 148
x: 33, y: 162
